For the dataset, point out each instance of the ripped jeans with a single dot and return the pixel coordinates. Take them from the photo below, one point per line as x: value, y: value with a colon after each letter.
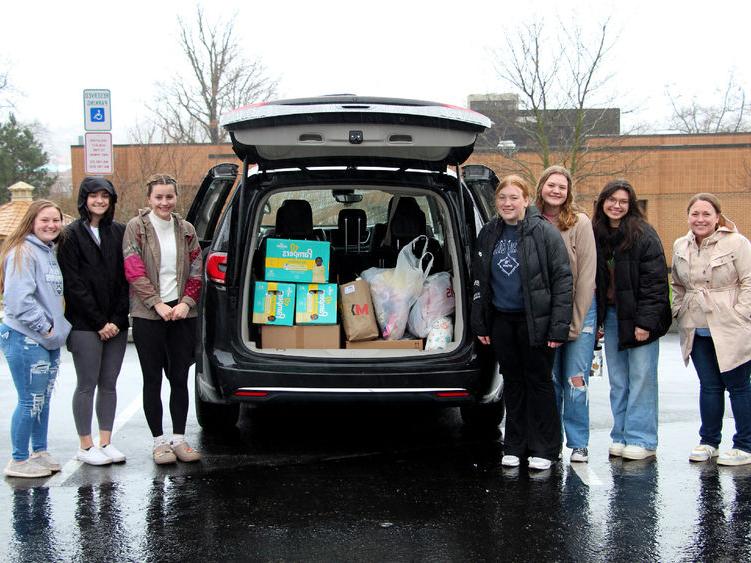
x: 34, y: 370
x: 573, y: 359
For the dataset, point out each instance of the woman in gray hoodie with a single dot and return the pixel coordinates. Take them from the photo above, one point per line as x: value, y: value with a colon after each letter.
x: 33, y: 331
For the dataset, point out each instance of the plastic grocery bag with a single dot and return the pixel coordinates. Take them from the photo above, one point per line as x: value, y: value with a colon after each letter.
x: 435, y: 301
x: 394, y: 290
x: 440, y: 334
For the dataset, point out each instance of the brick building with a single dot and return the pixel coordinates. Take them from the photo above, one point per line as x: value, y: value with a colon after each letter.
x: 665, y: 170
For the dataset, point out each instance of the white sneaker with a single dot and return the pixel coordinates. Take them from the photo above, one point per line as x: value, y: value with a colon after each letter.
x: 539, y: 463
x: 26, y: 468
x: 703, y: 452
x: 113, y: 453
x: 734, y: 457
x: 637, y: 452
x: 93, y: 456
x: 580, y: 455
x: 616, y: 449
x: 510, y: 461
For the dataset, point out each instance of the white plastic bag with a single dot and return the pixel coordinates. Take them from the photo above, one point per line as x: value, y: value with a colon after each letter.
x: 440, y: 334
x: 435, y: 301
x: 394, y: 290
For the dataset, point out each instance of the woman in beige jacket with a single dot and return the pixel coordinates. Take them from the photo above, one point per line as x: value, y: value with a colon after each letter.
x: 712, y: 302
x: 555, y: 200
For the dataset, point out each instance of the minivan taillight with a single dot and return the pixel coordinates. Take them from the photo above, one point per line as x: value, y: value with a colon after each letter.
x: 216, y: 267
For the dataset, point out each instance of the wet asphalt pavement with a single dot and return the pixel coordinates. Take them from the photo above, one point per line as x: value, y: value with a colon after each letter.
x: 374, y: 484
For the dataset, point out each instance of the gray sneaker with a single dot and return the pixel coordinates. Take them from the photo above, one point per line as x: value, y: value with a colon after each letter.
x: 44, y: 459
x: 26, y: 468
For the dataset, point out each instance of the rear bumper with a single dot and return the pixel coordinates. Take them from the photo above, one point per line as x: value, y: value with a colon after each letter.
x: 447, y: 382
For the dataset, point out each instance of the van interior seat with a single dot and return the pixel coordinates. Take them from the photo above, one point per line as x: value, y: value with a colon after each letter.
x: 294, y: 219
x: 406, y: 224
x: 352, y: 230
x: 350, y: 246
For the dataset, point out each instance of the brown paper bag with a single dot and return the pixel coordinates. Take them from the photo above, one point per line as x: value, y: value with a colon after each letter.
x: 358, y: 316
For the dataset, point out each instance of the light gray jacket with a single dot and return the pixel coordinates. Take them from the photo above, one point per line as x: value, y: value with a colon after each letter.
x: 33, y: 295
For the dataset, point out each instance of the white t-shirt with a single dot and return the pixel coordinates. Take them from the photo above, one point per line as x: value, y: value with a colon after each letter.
x: 165, y: 232
x: 95, y: 233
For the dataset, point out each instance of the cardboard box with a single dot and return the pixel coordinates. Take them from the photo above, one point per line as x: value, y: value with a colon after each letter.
x: 298, y: 261
x: 291, y: 337
x: 315, y: 304
x: 274, y: 303
x: 386, y: 344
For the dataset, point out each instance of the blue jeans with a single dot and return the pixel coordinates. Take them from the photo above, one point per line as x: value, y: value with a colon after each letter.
x: 572, y: 359
x: 633, y: 388
x: 712, y: 396
x: 34, y: 370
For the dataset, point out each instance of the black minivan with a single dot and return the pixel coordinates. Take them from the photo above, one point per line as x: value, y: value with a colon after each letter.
x: 366, y: 175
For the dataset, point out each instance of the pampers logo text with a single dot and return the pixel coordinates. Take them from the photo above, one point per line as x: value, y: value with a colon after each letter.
x: 298, y: 254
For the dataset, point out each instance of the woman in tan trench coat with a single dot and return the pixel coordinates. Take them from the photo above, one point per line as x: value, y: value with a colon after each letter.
x: 712, y: 303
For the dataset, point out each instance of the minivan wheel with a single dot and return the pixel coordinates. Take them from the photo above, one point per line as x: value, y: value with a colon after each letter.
x: 216, y: 417
x: 483, y: 416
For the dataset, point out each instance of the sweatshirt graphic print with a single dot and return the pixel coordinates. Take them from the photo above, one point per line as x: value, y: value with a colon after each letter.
x: 505, y: 272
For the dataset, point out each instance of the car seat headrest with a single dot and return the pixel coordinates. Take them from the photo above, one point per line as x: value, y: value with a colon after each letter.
x: 408, y: 220
x: 294, y: 219
x: 353, y: 225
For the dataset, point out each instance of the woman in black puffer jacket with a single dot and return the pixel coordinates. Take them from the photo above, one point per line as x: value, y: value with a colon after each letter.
x: 522, y: 306
x: 634, y: 308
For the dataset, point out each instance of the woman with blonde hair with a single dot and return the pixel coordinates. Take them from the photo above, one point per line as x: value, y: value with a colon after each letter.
x: 555, y: 200
x: 33, y: 330
x: 712, y: 303
x: 522, y: 308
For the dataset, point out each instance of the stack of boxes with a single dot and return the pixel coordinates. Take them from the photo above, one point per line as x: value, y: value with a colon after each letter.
x: 295, y: 305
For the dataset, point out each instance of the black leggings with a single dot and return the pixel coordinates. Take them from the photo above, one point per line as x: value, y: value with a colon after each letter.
x: 165, y: 347
x: 533, y: 426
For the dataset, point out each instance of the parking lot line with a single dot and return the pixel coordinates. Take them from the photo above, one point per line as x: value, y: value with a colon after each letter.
x: 73, y: 465
x: 586, y: 474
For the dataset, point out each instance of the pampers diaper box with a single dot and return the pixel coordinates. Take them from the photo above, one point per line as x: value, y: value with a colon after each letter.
x: 301, y: 261
x: 274, y: 303
x: 315, y: 304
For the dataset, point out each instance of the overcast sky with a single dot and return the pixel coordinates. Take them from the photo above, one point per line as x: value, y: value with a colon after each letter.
x: 434, y: 50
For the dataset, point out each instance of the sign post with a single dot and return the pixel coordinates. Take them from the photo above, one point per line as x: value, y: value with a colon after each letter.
x: 97, y: 120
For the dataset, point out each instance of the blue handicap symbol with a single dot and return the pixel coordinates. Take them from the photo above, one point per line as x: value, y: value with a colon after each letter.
x: 97, y: 114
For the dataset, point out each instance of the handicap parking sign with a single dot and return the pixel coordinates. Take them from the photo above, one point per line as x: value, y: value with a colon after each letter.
x: 97, y: 114
x: 97, y: 110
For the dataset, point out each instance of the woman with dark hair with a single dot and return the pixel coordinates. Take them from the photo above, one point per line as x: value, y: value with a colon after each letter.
x: 522, y: 308
x: 555, y: 200
x: 32, y: 332
x: 96, y: 304
x: 633, y: 305
x: 164, y: 267
x: 712, y: 303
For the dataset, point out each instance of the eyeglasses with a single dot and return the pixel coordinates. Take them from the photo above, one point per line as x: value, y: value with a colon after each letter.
x: 613, y: 201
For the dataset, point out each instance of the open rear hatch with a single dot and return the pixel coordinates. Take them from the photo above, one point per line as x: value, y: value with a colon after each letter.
x: 353, y: 131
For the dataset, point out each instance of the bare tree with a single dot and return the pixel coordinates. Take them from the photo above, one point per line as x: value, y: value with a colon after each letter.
x: 188, y: 108
x: 5, y: 89
x: 561, y: 81
x: 730, y: 115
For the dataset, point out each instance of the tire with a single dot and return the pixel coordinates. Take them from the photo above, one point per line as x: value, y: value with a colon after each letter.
x: 484, y: 416
x: 214, y: 417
